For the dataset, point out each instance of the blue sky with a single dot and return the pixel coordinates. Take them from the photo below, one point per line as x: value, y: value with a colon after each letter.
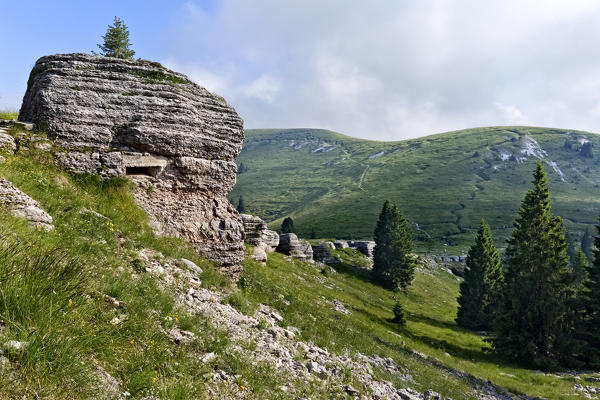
x: 382, y: 69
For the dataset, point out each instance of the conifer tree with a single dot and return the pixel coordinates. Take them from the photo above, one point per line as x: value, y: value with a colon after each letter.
x: 393, y: 264
x: 287, y: 226
x: 116, y: 41
x: 589, y: 323
x: 534, y: 323
x: 241, y: 207
x: 580, y: 267
x: 481, y: 290
x: 586, y: 244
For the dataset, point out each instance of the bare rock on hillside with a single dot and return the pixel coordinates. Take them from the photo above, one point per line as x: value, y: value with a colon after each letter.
x: 365, y: 247
x: 23, y: 206
x: 290, y: 245
x: 176, y: 141
x: 256, y: 232
x: 322, y: 253
x: 340, y: 244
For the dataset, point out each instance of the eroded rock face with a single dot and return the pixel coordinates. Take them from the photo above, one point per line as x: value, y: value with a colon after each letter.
x: 176, y: 141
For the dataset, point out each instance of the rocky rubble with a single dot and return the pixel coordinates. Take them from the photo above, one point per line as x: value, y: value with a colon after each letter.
x: 23, y: 206
x: 175, y: 140
x: 302, y: 363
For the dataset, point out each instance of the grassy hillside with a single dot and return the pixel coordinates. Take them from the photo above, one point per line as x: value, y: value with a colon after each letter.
x: 431, y: 349
x: 53, y: 288
x: 443, y: 183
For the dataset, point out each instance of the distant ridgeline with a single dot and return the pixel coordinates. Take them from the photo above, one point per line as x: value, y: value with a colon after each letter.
x: 444, y: 184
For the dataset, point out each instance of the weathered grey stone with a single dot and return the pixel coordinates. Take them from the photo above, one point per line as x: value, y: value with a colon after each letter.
x: 23, y: 206
x: 321, y: 253
x: 365, y: 247
x: 290, y: 245
x: 256, y: 232
x: 191, y: 265
x: 330, y: 245
x: 176, y: 140
x: 7, y: 142
x: 340, y: 244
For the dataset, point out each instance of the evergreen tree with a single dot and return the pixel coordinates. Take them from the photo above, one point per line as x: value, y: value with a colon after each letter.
x: 589, y: 323
x: 534, y: 323
x: 116, y: 41
x: 481, y: 290
x: 398, y: 314
x: 287, y: 226
x: 241, y: 207
x: 393, y: 264
x: 313, y: 234
x: 580, y: 268
x: 586, y: 244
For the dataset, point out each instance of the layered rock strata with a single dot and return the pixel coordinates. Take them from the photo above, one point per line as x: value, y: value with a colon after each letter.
x: 290, y: 245
x: 176, y: 141
x: 259, y: 236
x: 322, y: 253
x: 365, y: 247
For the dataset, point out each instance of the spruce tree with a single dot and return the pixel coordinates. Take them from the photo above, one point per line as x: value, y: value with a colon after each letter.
x: 393, y: 264
x: 241, y: 207
x: 580, y: 267
x: 116, y: 41
x: 534, y: 324
x: 586, y: 244
x: 589, y: 323
x: 481, y: 290
x: 287, y: 226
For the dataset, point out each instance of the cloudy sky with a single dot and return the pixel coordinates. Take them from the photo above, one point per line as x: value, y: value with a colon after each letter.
x: 378, y: 69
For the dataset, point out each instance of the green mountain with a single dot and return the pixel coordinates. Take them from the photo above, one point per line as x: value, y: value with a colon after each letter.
x: 443, y: 183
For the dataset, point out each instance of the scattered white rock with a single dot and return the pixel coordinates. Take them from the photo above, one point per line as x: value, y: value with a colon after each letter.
x: 191, y: 265
x: 15, y: 345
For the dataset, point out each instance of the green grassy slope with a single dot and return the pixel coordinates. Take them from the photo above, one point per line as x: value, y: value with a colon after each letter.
x: 51, y: 287
x: 430, y: 348
x: 445, y: 183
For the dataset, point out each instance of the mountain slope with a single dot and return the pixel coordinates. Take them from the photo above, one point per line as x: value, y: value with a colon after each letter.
x: 444, y: 184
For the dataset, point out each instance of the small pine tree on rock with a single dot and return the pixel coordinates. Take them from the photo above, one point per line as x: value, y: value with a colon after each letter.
x: 534, y: 323
x: 393, y: 264
x: 116, y: 41
x: 481, y: 291
x: 287, y: 226
x: 241, y: 207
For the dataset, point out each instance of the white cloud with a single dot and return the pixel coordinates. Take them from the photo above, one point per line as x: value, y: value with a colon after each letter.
x: 390, y: 70
x: 264, y: 88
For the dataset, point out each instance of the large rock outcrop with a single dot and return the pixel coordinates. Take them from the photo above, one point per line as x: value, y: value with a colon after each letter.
x: 175, y: 139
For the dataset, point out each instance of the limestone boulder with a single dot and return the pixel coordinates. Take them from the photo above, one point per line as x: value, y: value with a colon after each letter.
x: 21, y: 205
x: 290, y: 245
x: 256, y: 233
x: 175, y: 140
x: 322, y: 253
x: 365, y: 247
